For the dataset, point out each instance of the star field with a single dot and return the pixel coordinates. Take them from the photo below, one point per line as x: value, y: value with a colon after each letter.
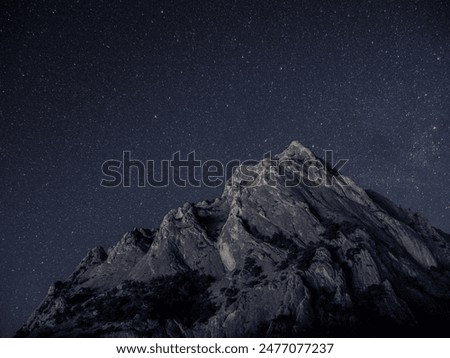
x: 81, y: 82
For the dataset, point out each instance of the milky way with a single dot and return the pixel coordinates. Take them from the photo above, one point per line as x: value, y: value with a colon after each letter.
x: 82, y: 82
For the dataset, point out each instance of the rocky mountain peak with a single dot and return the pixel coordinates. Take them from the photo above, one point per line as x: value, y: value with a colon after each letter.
x: 266, y: 261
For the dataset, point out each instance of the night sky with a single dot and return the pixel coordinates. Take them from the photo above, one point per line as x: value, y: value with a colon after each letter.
x: 82, y: 81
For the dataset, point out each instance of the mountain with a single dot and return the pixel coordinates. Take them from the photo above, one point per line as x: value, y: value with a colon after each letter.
x: 263, y: 260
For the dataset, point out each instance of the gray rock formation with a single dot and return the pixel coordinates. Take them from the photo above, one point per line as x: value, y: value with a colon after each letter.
x: 263, y: 261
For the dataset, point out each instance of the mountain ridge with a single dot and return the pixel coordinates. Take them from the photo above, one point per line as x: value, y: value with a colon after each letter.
x: 264, y: 261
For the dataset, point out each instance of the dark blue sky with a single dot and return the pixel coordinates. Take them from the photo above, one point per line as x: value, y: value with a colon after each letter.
x: 82, y: 81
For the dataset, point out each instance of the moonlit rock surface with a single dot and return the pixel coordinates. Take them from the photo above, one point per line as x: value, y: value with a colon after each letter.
x: 264, y: 261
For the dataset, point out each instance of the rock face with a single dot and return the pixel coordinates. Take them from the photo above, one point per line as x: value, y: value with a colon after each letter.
x: 263, y: 261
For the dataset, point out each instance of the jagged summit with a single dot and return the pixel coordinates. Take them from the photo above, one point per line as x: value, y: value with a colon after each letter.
x: 298, y: 151
x: 265, y: 261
